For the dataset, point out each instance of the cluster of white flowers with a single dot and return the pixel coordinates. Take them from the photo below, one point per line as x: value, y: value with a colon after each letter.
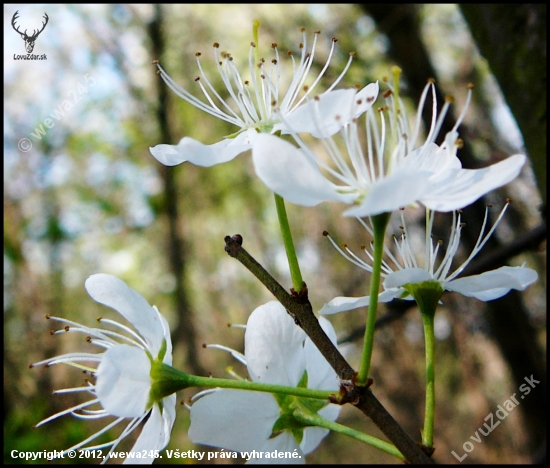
x: 394, y: 168
x: 276, y: 352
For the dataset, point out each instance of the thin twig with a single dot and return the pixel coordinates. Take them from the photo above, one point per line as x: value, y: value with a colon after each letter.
x: 298, y: 306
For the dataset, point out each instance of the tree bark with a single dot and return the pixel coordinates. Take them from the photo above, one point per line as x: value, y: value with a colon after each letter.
x: 185, y: 328
x: 513, y: 40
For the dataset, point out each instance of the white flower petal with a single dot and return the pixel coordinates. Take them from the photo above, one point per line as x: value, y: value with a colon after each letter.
x: 290, y: 173
x: 343, y: 304
x: 195, y: 152
x: 323, y: 116
x: 402, y: 187
x: 390, y: 294
x: 459, y: 188
x: 168, y: 419
x: 273, y: 346
x: 171, y: 155
x: 406, y: 276
x: 166, y: 332
x: 330, y: 412
x: 312, y: 438
x: 123, y: 381
x: 285, y: 443
x: 155, y: 434
x: 494, y: 284
x: 147, y: 440
x: 233, y: 419
x: 431, y: 158
x: 115, y: 293
x: 320, y: 373
x: 366, y: 96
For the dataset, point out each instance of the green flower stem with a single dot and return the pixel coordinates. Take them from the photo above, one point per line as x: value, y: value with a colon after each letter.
x: 379, y: 224
x: 427, y: 296
x: 309, y: 418
x: 296, y: 275
x: 429, y: 414
x: 167, y: 380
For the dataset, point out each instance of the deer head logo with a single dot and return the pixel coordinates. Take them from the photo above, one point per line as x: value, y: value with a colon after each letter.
x: 29, y: 40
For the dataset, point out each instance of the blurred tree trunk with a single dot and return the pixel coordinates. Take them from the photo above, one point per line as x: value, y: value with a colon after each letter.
x: 185, y: 329
x: 509, y: 319
x: 513, y: 40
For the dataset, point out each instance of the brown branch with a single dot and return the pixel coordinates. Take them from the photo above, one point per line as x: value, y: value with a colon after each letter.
x: 299, y: 308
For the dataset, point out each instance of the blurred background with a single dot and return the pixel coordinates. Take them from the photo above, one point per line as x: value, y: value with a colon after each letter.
x: 83, y: 195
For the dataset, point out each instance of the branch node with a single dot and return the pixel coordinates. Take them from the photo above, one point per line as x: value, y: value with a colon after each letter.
x: 303, y: 294
x: 350, y: 392
x: 427, y: 450
x: 233, y: 244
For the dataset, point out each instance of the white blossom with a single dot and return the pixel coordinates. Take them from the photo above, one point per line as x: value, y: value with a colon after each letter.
x: 277, y: 352
x: 258, y: 99
x: 405, y: 268
x: 122, y: 374
x: 390, y: 167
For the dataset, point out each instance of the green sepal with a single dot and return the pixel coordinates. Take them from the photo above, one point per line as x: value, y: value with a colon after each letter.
x: 298, y: 434
x: 287, y: 422
x: 162, y: 351
x: 265, y: 127
x: 303, y: 381
x: 426, y: 295
x: 313, y: 405
x: 288, y: 405
x: 166, y: 380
